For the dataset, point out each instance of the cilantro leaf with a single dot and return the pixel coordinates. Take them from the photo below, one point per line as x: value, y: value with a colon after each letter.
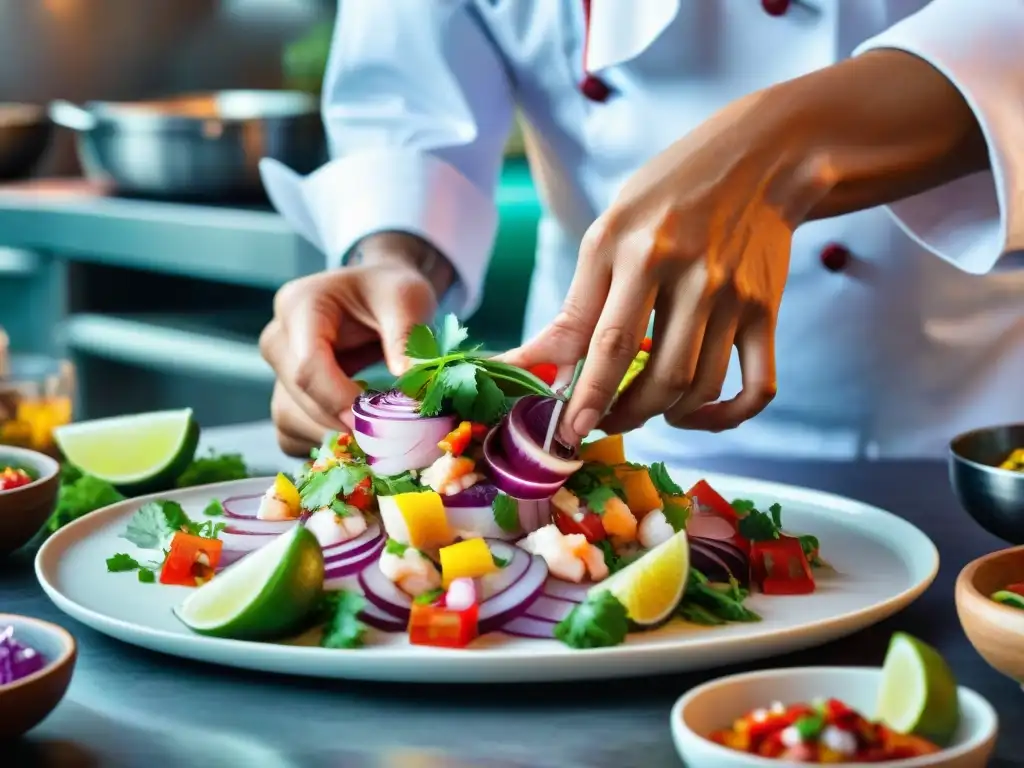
x: 121, y: 562
x: 322, y: 489
x: 755, y: 525
x: 421, y: 344
x: 698, y: 614
x: 450, y: 335
x: 489, y: 406
x: 662, y: 481
x: 506, y: 512
x: 343, y: 628
x: 514, y: 382
x: 392, y: 485
x: 395, y: 548
x: 596, y: 498
x: 214, y: 508
x: 675, y: 513
x: 214, y: 469
x: 147, y: 576
x: 595, y: 484
x: 429, y: 598
x: 500, y: 562
x: 460, y: 383
x: 613, y: 559
x: 154, y: 524
x: 598, y: 622
x: 80, y: 496
x: 413, y: 381
x: 432, y: 400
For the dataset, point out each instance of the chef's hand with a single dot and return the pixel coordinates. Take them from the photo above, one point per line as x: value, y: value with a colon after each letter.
x: 700, y: 235
x: 329, y: 326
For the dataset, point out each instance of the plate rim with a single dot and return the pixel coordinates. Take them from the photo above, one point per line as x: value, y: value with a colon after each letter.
x: 276, y: 654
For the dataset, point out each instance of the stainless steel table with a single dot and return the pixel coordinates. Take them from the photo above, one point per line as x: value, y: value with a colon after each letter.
x: 129, y: 707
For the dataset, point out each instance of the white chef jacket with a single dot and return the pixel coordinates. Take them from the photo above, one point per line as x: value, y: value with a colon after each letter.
x: 914, y: 339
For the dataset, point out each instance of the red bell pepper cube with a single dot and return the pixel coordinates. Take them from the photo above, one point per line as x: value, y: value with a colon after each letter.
x: 362, y: 495
x: 589, y: 525
x: 1017, y: 589
x: 441, y: 627
x: 546, y: 372
x: 456, y: 441
x: 191, y: 561
x: 780, y: 567
x: 709, y: 499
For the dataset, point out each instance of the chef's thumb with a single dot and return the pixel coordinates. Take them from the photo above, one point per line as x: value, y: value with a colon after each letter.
x: 399, y: 303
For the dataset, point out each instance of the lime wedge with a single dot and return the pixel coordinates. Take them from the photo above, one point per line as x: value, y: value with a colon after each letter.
x: 651, y: 588
x: 144, y: 452
x: 265, y: 595
x: 918, y: 693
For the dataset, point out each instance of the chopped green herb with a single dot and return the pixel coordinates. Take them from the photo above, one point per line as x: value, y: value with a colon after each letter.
x: 501, y: 562
x: 343, y: 628
x: 392, y: 485
x: 147, y: 576
x: 675, y: 513
x: 396, y: 548
x: 506, y: 512
x: 447, y: 373
x: 595, y: 485
x: 662, y: 481
x: 154, y: 524
x: 214, y: 508
x: 755, y: 525
x: 429, y: 598
x: 725, y: 602
x: 600, y: 621
x: 698, y: 614
x: 79, y: 497
x: 121, y: 562
x: 614, y: 560
x: 809, y: 727
x: 322, y: 489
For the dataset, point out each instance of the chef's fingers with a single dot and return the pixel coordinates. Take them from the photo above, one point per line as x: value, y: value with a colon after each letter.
x: 276, y: 349
x: 755, y: 341
x: 297, y: 433
x: 314, y: 326
x: 713, y: 364
x: 564, y: 341
x: 398, y: 299
x: 614, y: 345
x: 680, y: 316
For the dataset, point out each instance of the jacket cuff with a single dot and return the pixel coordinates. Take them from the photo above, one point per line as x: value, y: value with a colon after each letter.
x: 391, y: 190
x: 971, y: 222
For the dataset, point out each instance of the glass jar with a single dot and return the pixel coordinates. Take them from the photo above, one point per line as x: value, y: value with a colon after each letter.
x: 36, y: 396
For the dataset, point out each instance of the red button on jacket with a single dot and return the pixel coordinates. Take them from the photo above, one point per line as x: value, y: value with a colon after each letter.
x: 835, y: 257
x: 775, y: 7
x: 591, y: 86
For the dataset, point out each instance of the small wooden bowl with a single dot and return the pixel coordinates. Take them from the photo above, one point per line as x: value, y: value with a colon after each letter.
x: 996, y: 631
x: 23, y: 511
x: 25, y: 703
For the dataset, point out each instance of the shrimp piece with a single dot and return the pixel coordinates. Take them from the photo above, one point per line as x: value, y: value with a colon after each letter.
x: 447, y: 471
x: 280, y: 502
x: 654, y: 529
x: 330, y: 528
x: 412, y: 571
x: 569, y: 557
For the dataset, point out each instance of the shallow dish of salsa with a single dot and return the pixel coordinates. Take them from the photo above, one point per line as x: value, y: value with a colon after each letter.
x: 13, y: 476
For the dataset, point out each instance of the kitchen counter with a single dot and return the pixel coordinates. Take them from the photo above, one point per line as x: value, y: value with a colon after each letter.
x: 132, y: 708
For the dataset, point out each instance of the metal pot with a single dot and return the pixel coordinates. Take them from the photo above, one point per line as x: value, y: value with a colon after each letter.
x: 196, y: 147
x: 25, y: 134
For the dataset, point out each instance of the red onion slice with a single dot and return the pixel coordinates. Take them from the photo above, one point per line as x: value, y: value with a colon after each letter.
x: 706, y: 560
x: 243, y: 542
x: 709, y: 526
x: 260, y: 527
x: 242, y: 507
x: 383, y: 593
x: 364, y: 541
x: 515, y: 600
x: 522, y: 439
x: 353, y: 565
x: 377, y: 619
x: 527, y: 627
x: 394, y: 436
x: 567, y: 590
x: 518, y: 562
x: 552, y: 609
x: 507, y: 479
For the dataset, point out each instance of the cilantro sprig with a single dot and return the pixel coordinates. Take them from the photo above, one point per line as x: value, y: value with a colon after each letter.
x: 323, y: 489
x: 155, y: 523
x: 506, y: 512
x: 600, y: 621
x: 447, y: 373
x: 755, y: 525
x: 595, y: 485
x: 342, y: 625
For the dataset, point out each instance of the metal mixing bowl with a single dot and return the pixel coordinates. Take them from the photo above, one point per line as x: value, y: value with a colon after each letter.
x: 197, y: 147
x: 994, y: 497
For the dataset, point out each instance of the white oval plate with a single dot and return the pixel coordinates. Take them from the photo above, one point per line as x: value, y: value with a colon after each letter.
x: 882, y: 563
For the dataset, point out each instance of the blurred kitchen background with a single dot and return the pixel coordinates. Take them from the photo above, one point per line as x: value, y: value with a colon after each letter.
x: 135, y: 245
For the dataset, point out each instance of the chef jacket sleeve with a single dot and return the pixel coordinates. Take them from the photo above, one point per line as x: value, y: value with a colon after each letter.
x: 417, y: 107
x: 979, y: 46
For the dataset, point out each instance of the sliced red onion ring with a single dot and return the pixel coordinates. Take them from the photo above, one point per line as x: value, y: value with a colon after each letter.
x: 383, y: 593
x: 547, y: 608
x: 515, y: 600
x: 709, y: 526
x: 353, y: 565
x: 471, y: 512
x: 368, y: 539
x: 395, y: 438
x: 242, y: 507
x: 709, y: 562
x: 567, y: 590
x: 522, y: 439
x: 260, y: 527
x: 517, y: 563
x: 735, y: 559
x: 528, y: 627
x: 229, y: 557
x: 377, y: 619
x: 510, y: 481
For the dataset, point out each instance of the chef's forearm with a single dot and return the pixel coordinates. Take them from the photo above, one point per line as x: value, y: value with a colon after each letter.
x: 885, y: 124
x: 408, y: 250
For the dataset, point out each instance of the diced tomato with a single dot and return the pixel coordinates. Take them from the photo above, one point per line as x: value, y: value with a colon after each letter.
x: 456, y: 441
x: 440, y: 627
x: 1017, y: 589
x: 11, y: 478
x: 191, y: 560
x: 646, y: 344
x: 590, y: 525
x: 546, y: 372
x: 362, y: 495
x: 479, y: 431
x: 780, y: 567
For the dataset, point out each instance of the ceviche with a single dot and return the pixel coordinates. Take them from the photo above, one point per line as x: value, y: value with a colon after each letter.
x: 451, y: 512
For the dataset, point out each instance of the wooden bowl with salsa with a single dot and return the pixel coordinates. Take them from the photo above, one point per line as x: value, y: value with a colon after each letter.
x: 29, y: 482
x: 992, y: 618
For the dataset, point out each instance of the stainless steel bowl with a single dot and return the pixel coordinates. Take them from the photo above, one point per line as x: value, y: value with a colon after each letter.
x: 25, y: 132
x: 203, y: 146
x: 994, y: 497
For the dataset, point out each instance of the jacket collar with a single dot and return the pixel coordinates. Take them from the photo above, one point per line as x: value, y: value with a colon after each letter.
x: 621, y: 30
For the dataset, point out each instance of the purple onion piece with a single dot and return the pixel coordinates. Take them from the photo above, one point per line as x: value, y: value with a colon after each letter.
x: 479, y: 495
x: 17, y: 661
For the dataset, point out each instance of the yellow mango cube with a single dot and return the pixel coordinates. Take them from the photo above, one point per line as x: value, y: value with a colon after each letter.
x: 469, y: 559
x: 416, y: 519
x: 608, y: 450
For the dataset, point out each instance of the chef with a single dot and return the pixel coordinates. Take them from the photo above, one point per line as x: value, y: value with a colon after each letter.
x: 697, y: 160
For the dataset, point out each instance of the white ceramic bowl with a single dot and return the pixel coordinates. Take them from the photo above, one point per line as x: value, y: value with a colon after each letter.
x: 715, y: 705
